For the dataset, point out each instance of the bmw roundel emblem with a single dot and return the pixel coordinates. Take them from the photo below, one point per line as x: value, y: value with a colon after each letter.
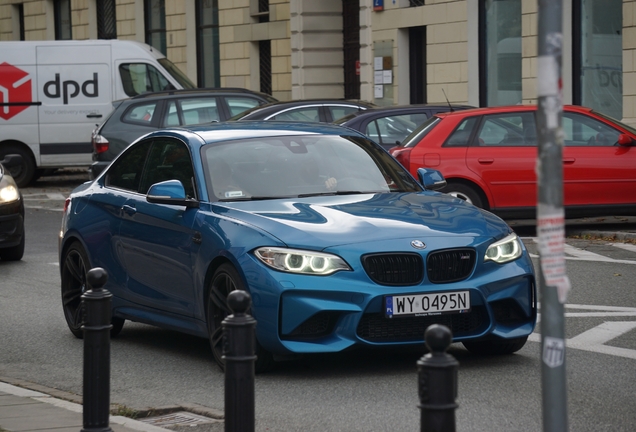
x: 418, y: 244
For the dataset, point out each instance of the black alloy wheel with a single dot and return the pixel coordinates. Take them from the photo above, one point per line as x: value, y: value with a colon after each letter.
x: 225, y: 280
x: 74, y: 268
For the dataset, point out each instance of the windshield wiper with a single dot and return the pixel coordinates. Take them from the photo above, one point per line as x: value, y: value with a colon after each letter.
x: 351, y: 192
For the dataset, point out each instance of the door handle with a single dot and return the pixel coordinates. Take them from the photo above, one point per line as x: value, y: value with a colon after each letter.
x: 485, y: 161
x: 93, y: 116
x: 129, y: 210
x: 569, y: 160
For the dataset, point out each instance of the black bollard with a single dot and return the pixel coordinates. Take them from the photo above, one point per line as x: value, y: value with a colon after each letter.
x: 97, y: 325
x: 238, y: 352
x: 437, y: 372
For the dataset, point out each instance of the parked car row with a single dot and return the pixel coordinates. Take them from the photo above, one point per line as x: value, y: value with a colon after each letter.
x: 487, y: 155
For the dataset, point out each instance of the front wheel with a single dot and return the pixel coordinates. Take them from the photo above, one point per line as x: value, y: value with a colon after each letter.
x: 75, y: 266
x: 225, y: 280
x: 462, y: 191
x: 501, y: 347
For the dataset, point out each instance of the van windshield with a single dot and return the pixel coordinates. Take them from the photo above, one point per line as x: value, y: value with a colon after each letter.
x: 177, y: 74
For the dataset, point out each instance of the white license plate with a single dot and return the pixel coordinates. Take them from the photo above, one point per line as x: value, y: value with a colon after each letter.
x: 427, y: 304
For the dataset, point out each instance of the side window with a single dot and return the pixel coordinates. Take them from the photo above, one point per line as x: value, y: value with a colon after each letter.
x: 461, y: 135
x: 373, y: 132
x: 125, y: 172
x: 140, y: 114
x: 508, y: 129
x: 191, y: 111
x: 311, y: 114
x: 168, y: 159
x: 239, y: 105
x: 579, y: 130
x: 138, y: 78
x: 338, y: 112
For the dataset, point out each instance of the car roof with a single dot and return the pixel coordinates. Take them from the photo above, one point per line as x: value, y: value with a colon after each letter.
x: 273, y: 106
x: 506, y: 108
x: 229, y: 131
x: 199, y: 92
x: 413, y: 107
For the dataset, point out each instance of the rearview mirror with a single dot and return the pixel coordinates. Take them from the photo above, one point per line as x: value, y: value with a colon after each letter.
x: 169, y: 192
x: 431, y: 179
x: 625, y: 140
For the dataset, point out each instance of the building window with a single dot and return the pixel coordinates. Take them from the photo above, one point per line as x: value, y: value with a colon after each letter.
x: 208, y: 60
x: 18, y: 21
x: 598, y: 55
x: 155, y: 15
x: 62, y: 16
x: 106, y: 19
x: 263, y: 11
x: 500, y: 52
x: 265, y: 62
x: 415, y: 3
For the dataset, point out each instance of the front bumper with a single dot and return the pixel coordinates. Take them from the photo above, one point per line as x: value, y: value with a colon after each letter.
x: 11, y: 224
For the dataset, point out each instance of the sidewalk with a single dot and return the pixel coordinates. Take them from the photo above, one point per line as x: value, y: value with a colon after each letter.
x: 28, y: 410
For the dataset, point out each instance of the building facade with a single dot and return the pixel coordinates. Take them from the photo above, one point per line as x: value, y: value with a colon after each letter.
x: 480, y: 52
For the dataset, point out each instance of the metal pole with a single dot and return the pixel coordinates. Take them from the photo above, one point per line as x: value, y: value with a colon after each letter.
x: 96, y: 404
x: 238, y: 353
x: 553, y: 280
x: 437, y: 374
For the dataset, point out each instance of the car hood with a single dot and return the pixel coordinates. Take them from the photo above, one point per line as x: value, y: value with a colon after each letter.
x: 322, y: 222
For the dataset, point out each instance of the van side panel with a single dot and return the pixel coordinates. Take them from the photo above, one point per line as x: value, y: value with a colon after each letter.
x: 18, y: 85
x: 75, y: 89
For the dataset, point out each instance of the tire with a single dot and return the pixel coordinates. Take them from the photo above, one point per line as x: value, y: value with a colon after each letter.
x: 502, y: 347
x: 14, y: 253
x: 462, y: 191
x: 225, y: 280
x: 24, y: 173
x: 74, y: 268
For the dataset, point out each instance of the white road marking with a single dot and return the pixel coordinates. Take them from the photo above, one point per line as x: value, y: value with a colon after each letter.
x: 594, y: 339
x: 576, y: 254
x: 627, y: 246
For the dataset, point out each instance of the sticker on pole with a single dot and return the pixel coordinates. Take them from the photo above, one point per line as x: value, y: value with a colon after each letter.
x: 553, y: 351
x: 551, y: 232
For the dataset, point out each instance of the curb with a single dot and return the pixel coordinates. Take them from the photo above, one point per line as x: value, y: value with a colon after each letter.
x: 601, y: 235
x: 76, y: 408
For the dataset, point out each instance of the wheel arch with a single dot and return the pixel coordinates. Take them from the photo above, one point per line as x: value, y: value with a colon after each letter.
x: 20, y: 144
x: 475, y: 186
x: 209, y: 274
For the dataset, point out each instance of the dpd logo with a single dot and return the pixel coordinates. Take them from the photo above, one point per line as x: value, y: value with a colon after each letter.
x: 71, y: 88
x: 15, y: 91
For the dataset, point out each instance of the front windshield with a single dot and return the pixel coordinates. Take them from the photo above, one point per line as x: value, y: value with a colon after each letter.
x: 176, y: 73
x: 613, y: 120
x: 300, y: 166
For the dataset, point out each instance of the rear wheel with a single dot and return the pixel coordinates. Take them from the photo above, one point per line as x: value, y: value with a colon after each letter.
x: 462, y: 191
x: 24, y: 173
x: 501, y: 347
x: 225, y: 280
x: 75, y: 265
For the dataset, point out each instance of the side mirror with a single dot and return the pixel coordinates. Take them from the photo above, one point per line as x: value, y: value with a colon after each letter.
x: 431, y: 179
x: 625, y: 140
x: 11, y: 160
x: 169, y: 192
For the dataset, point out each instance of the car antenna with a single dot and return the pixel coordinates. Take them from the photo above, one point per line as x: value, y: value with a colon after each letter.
x: 447, y: 101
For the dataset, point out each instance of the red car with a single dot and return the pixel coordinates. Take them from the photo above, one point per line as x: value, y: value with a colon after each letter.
x: 489, y: 155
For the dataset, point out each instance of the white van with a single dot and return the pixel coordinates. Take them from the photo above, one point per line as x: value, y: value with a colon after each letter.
x: 53, y: 93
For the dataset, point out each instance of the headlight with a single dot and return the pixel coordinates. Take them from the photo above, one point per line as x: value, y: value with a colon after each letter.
x: 8, y: 190
x: 506, y: 249
x: 301, y: 261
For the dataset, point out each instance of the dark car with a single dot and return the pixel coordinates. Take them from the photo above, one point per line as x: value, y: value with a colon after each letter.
x: 337, y: 244
x: 307, y: 110
x: 139, y: 115
x: 388, y: 126
x: 11, y: 212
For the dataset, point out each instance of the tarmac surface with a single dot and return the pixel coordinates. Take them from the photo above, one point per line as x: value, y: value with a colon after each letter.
x: 30, y: 407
